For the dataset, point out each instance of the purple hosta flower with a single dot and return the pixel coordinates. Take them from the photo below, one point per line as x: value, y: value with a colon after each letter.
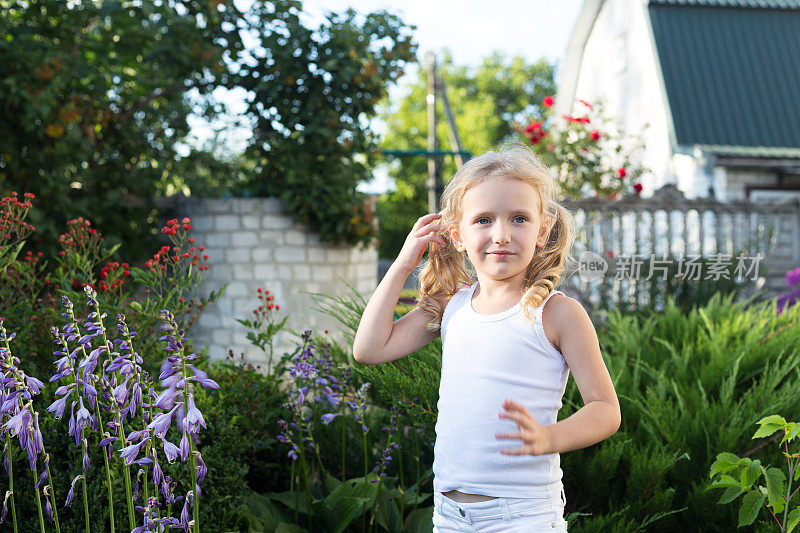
x: 48, y: 508
x: 328, y: 417
x: 58, y: 406
x: 150, y: 520
x: 71, y: 493
x: 158, y: 474
x: 286, y: 436
x: 82, y: 419
x: 360, y: 405
x: 5, y: 507
x: 201, y: 468
x: 386, y: 454
x: 161, y: 423
x: 23, y: 421
x: 184, y: 521
x: 184, y: 446
x: 194, y: 418
x: 129, y: 453
x: 170, y: 450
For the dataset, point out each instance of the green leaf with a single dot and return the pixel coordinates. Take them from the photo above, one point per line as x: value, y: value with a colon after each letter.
x: 341, y: 511
x: 751, y: 505
x: 725, y: 462
x: 730, y: 494
x: 388, y: 515
x: 775, y: 478
x: 750, y: 474
x: 794, y: 431
x: 772, y: 419
x: 284, y: 527
x: 136, y: 306
x: 766, y: 430
x: 793, y: 519
x: 419, y: 521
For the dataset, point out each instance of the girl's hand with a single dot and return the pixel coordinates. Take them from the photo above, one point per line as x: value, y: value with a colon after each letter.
x: 423, y: 232
x: 535, y: 437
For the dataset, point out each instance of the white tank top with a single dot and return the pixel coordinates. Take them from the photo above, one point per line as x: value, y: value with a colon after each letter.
x: 487, y: 358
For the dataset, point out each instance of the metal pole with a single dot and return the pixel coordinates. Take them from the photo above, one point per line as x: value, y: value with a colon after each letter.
x: 455, y: 142
x: 434, y: 162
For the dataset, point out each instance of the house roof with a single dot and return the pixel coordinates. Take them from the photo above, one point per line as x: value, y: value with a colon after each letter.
x: 757, y: 4
x: 731, y: 73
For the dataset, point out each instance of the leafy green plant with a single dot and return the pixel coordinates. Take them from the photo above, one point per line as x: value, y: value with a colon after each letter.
x: 738, y: 477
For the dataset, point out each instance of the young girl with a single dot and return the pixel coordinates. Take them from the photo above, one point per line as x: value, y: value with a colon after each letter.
x: 506, y: 355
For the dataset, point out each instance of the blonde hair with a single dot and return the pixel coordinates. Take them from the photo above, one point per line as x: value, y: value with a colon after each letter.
x: 445, y: 270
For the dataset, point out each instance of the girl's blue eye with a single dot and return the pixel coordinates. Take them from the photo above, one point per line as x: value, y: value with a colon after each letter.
x: 521, y: 217
x: 482, y: 218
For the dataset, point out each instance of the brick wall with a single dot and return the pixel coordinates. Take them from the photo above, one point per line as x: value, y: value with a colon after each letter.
x: 251, y: 244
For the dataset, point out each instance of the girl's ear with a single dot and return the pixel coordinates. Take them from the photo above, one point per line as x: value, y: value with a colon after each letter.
x: 544, y: 229
x: 456, y: 238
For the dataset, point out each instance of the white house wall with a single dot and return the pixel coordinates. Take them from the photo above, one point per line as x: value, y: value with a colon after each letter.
x: 619, y: 66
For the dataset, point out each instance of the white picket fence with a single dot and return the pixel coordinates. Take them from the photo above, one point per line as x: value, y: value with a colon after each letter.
x: 668, y: 227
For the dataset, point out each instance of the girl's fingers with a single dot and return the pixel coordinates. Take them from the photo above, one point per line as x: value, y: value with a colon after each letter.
x: 517, y: 435
x: 431, y: 237
x: 516, y: 451
x: 426, y: 219
x: 431, y: 227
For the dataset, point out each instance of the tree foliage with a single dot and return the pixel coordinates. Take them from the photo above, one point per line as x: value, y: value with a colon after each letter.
x: 486, y: 101
x: 94, y: 103
x: 312, y: 92
x: 95, y: 98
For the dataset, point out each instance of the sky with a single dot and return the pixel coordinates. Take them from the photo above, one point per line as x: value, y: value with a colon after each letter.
x: 469, y: 29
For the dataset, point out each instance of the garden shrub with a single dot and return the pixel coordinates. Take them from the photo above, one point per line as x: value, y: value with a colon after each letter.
x: 688, y: 383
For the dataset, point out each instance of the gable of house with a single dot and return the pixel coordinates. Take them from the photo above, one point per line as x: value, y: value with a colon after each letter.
x: 731, y: 72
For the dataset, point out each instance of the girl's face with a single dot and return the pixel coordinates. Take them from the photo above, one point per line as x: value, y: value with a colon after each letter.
x: 500, y: 228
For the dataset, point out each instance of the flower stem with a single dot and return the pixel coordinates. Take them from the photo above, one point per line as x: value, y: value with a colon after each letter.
x: 344, y: 428
x: 788, y: 487
x: 192, y: 462
x: 108, y: 470
x: 120, y: 434
x: 85, y: 496
x: 364, y: 441
x: 11, y: 481
x: 38, y: 499
x: 305, y: 481
x: 296, y: 493
x: 52, y: 489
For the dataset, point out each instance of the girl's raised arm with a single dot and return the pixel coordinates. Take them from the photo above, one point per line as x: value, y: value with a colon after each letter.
x: 378, y: 340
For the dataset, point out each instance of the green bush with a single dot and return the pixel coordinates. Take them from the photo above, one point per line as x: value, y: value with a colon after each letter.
x: 688, y: 383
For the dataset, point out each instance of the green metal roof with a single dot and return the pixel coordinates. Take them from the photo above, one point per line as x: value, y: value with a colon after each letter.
x: 757, y: 4
x: 732, y: 75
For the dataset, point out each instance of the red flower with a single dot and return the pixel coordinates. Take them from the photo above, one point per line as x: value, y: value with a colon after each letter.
x: 610, y: 254
x: 584, y: 102
x: 638, y: 188
x: 548, y: 101
x: 621, y: 172
x: 594, y: 134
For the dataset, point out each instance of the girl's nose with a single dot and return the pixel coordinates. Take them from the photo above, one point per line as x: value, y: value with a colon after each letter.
x: 501, y: 234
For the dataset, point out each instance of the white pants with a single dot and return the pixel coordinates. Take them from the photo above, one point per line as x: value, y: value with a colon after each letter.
x: 500, y: 515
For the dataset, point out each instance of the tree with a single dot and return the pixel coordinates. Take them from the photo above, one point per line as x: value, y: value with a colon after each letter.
x: 487, y: 103
x: 94, y: 100
x: 313, y: 93
x: 95, y: 97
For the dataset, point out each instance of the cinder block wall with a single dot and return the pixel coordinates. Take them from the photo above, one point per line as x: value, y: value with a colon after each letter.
x: 251, y: 244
